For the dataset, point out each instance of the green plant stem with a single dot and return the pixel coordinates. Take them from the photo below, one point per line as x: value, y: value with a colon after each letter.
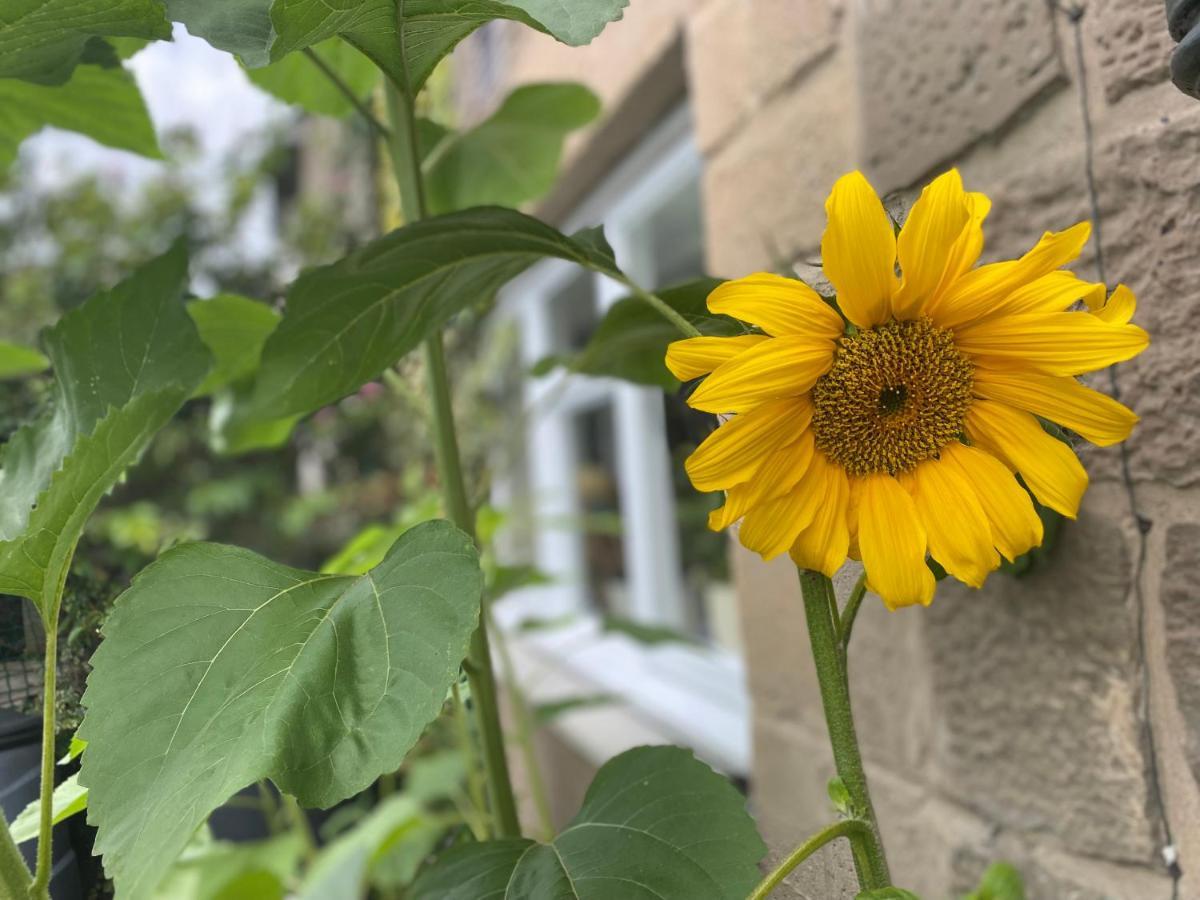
x: 300, y: 823
x: 523, y: 717
x: 268, y: 807
x: 40, y: 889
x: 685, y: 327
x: 348, y: 92
x: 851, y: 829
x: 14, y: 874
x: 478, y: 664
x: 850, y: 613
x: 819, y: 605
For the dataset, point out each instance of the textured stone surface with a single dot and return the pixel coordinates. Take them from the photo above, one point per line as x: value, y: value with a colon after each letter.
x: 718, y: 61
x: 1132, y: 46
x: 1181, y: 609
x: 937, y: 75
x: 1151, y: 201
x: 788, y: 35
x: 767, y: 186
x: 1035, y: 683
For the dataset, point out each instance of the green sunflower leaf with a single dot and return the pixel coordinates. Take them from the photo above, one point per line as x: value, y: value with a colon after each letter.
x: 631, y: 341
x: 17, y: 361
x: 656, y: 822
x: 43, y: 40
x: 69, y: 798
x: 234, y: 329
x: 319, y: 682
x: 387, y: 845
x: 101, y: 102
x: 889, y: 893
x: 221, y: 870
x: 1001, y: 881
x: 124, y: 361
x: 512, y: 157
x: 242, y: 27
x: 347, y: 322
x: 297, y: 80
x: 431, y: 28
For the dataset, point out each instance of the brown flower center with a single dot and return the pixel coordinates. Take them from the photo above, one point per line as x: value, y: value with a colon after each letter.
x: 896, y: 395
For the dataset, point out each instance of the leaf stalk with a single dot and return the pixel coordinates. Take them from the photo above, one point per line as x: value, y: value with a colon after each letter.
x: 852, y: 829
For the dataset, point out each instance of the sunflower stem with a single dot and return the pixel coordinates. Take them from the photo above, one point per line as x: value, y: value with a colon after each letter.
x: 820, y: 606
x: 402, y: 144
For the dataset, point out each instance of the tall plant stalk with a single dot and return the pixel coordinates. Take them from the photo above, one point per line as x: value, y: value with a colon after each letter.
x: 404, y: 152
x: 820, y: 607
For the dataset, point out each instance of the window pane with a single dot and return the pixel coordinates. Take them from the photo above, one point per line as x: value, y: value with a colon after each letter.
x: 600, y: 506
x: 673, y: 237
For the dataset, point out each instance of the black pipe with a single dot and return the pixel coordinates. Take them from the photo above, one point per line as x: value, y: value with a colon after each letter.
x: 1183, y: 20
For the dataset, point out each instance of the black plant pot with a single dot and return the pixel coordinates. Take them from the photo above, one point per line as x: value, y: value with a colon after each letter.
x: 20, y: 771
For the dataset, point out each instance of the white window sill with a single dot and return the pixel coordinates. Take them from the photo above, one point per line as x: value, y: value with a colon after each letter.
x: 693, y: 696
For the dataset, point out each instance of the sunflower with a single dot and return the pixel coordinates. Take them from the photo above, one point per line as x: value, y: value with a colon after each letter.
x: 892, y: 424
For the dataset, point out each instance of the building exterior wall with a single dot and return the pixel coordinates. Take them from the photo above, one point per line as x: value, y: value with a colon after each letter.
x: 1012, y: 722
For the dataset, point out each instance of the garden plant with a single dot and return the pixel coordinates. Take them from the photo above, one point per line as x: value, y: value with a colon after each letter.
x: 911, y: 414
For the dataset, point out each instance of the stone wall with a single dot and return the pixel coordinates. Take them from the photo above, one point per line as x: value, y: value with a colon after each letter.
x: 1052, y: 720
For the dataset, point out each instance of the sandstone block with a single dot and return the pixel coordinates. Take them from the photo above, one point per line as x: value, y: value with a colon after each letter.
x: 719, y: 75
x: 1132, y: 45
x: 1035, y: 683
x: 765, y: 189
x: 788, y: 35
x: 1181, y: 609
x: 1150, y: 193
x: 937, y: 75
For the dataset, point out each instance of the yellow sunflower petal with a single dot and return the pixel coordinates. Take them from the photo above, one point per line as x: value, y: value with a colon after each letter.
x: 1120, y: 307
x: 960, y: 537
x: 779, y: 472
x: 1055, y: 292
x: 779, y: 367
x: 1090, y: 414
x: 853, y: 504
x: 858, y: 251
x: 1062, y: 343
x: 732, y: 453
x: 693, y: 357
x: 825, y: 542
x: 965, y: 252
x: 893, y: 541
x: 1049, y: 466
x: 777, y: 305
x: 976, y: 293
x: 770, y: 528
x: 926, y: 241
x: 1016, y: 526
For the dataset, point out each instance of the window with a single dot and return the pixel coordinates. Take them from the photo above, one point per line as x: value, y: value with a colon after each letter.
x: 613, y: 521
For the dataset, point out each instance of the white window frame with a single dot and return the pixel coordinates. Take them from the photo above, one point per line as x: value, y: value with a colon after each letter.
x: 676, y: 693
